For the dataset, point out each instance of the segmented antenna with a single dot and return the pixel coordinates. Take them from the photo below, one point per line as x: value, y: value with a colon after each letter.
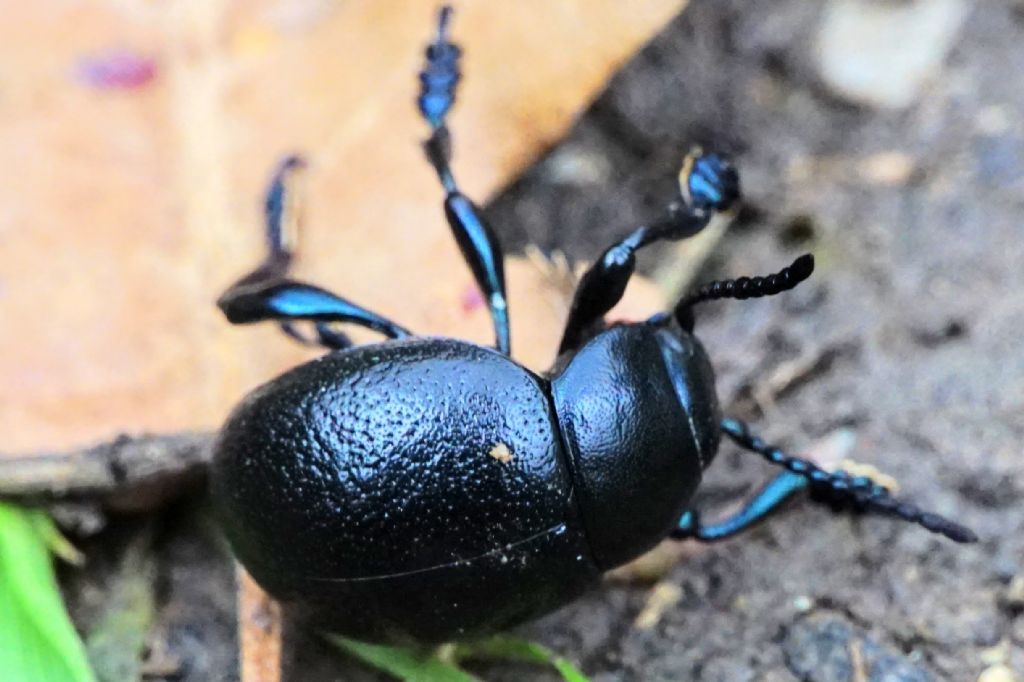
x: 440, y: 75
x: 753, y: 287
x: 842, y: 489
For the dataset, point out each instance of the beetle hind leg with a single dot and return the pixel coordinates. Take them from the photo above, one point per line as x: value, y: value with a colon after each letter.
x: 267, y: 293
x: 476, y: 240
x: 838, y: 489
x: 757, y: 509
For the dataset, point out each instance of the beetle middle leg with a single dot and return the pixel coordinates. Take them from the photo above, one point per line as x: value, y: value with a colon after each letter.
x: 267, y: 293
x: 476, y: 239
x: 707, y: 184
x: 837, y: 489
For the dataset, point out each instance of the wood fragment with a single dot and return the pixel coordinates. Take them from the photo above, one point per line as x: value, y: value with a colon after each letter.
x: 681, y: 264
x: 792, y: 373
x: 860, y: 673
x: 259, y: 632
x: 128, y: 474
x: 663, y: 597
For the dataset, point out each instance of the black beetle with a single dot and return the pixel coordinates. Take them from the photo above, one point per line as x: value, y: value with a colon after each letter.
x: 428, y: 489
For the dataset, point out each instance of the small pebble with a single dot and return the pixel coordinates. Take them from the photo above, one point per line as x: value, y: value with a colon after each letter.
x: 882, y: 53
x: 803, y: 603
x: 890, y: 169
x: 577, y: 167
x: 1014, y: 595
x: 997, y: 673
x: 993, y: 120
x: 664, y: 596
x: 995, y: 655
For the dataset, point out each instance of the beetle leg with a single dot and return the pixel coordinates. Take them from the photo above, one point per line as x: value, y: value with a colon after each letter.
x: 758, y: 508
x: 840, y: 490
x: 707, y: 184
x: 476, y: 239
x: 324, y: 336
x: 267, y: 294
x: 288, y: 300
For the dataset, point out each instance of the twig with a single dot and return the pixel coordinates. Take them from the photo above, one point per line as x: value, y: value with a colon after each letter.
x: 790, y: 374
x: 129, y: 473
x: 860, y: 673
x: 678, y: 270
x: 259, y: 632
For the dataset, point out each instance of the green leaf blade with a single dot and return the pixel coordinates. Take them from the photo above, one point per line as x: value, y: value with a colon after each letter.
x: 38, y: 643
x: 503, y: 647
x: 402, y: 663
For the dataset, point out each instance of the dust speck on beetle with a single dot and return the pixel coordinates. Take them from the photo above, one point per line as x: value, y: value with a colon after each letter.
x: 501, y: 453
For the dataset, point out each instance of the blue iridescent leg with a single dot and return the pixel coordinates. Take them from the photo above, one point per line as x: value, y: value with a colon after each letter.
x: 758, y: 508
x: 707, y: 184
x: 476, y: 239
x: 267, y: 294
x: 837, y: 489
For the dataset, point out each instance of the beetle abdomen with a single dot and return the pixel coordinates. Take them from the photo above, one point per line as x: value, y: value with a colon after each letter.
x: 407, y: 489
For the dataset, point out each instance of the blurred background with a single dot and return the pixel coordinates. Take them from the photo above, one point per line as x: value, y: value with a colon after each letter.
x: 885, y: 136
x: 142, y: 135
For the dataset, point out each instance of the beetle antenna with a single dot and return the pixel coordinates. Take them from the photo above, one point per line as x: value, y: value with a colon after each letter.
x: 840, y: 489
x: 753, y: 287
x: 748, y: 287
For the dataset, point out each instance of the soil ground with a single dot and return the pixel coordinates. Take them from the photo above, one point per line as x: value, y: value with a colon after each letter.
x: 907, y: 337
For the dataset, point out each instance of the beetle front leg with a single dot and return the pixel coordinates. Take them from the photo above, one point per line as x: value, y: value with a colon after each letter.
x: 267, y: 294
x: 477, y: 241
x: 707, y: 184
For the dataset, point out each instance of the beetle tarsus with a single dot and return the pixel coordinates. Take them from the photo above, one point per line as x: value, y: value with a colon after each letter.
x: 440, y: 75
x: 708, y: 181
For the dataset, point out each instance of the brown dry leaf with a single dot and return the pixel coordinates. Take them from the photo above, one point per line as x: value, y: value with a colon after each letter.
x: 125, y: 212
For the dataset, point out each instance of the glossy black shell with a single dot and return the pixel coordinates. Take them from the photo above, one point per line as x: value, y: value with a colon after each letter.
x: 432, y: 489
x: 368, y: 487
x: 639, y: 414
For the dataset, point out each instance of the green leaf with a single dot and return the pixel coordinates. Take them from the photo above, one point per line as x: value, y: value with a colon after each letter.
x: 404, y: 664
x: 38, y: 643
x: 502, y: 647
x: 56, y: 543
